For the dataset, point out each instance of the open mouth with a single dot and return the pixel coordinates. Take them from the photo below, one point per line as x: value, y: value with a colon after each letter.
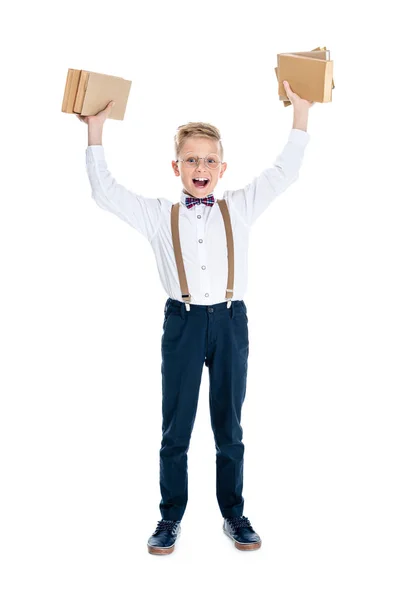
x: 200, y: 182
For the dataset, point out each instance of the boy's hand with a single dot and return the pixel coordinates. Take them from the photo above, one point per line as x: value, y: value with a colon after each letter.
x: 98, y: 119
x: 297, y: 102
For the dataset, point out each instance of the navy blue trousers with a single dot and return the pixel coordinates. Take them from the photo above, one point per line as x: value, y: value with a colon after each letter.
x: 216, y: 336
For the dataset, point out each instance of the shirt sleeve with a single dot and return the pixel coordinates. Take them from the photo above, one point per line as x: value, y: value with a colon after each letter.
x: 252, y: 200
x: 143, y: 214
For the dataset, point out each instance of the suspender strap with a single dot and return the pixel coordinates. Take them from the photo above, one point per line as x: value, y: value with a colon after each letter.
x: 178, y: 254
x: 229, y: 240
x: 186, y: 297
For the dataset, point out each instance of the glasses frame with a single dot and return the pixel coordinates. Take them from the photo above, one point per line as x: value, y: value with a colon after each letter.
x: 198, y: 159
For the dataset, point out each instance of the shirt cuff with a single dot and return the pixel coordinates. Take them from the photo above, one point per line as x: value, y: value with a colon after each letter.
x: 96, y: 150
x: 300, y: 137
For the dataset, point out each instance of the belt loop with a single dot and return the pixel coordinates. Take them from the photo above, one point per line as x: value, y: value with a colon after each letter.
x: 183, y: 310
x: 232, y: 310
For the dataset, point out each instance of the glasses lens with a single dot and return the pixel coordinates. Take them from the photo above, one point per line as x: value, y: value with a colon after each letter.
x: 211, y: 161
x: 189, y: 160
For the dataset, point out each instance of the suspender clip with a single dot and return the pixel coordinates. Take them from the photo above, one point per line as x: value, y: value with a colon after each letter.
x: 229, y: 301
x: 186, y: 298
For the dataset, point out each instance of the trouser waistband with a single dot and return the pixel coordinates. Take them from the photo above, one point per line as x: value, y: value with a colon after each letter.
x: 197, y: 308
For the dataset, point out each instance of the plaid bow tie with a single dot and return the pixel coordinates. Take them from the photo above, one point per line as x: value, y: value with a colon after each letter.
x: 208, y: 201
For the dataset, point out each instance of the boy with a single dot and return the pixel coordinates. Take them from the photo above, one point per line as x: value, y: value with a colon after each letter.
x: 205, y: 321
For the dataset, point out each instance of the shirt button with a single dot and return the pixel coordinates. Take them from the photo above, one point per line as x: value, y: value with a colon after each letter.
x: 203, y: 267
x: 199, y: 216
x: 210, y: 309
x: 206, y: 294
x: 201, y: 241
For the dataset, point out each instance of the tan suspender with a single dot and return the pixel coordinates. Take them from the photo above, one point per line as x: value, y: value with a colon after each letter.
x: 186, y: 297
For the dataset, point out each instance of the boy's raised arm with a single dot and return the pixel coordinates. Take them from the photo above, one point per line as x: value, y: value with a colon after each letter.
x: 252, y: 200
x: 141, y: 213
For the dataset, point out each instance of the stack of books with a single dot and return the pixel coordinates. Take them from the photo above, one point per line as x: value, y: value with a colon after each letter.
x: 309, y: 74
x: 87, y: 93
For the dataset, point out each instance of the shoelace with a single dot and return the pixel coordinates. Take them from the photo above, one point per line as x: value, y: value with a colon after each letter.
x: 238, y: 522
x: 165, y: 524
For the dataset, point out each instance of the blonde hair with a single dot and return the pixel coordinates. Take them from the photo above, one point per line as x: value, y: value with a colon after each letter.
x: 197, y: 129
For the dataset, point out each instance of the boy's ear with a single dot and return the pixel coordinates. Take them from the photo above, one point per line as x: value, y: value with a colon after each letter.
x: 175, y: 167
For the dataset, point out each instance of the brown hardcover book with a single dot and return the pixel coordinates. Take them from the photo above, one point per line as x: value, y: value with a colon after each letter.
x: 86, y: 93
x: 310, y: 75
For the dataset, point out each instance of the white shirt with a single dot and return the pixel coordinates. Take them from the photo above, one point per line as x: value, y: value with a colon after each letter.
x: 201, y: 228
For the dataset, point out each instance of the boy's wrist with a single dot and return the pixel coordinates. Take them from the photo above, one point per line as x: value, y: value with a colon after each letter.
x: 95, y: 134
x: 300, y: 119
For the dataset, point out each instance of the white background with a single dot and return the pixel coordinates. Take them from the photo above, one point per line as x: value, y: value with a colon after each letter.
x: 81, y: 347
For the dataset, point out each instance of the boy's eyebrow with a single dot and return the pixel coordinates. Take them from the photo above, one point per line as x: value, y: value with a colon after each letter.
x: 207, y: 153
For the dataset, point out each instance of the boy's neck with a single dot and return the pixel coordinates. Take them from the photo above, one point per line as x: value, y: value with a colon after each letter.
x: 187, y: 193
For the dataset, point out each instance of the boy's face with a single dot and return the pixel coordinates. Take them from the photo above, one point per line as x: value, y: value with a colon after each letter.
x: 201, y: 147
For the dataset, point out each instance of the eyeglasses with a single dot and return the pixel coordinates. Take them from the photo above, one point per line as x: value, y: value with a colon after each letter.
x: 211, y: 160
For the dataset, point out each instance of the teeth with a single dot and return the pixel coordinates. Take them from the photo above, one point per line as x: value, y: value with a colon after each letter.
x: 200, y: 179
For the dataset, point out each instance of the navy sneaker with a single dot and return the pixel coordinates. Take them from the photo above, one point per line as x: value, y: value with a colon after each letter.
x: 240, y: 530
x: 163, y: 539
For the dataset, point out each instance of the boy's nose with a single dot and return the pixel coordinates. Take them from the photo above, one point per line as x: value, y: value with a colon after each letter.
x: 201, y: 167
x: 200, y: 163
